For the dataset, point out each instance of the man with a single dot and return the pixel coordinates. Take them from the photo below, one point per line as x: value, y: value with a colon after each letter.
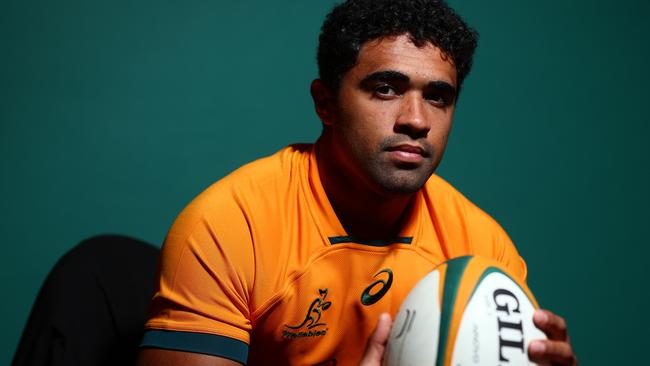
x: 296, y: 258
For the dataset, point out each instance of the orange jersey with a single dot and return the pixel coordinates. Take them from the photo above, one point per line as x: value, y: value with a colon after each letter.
x: 259, y: 269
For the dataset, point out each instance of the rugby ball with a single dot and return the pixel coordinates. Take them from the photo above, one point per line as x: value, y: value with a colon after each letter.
x: 467, y: 311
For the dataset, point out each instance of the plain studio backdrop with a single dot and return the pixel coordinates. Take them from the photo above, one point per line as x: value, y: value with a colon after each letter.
x: 113, y: 115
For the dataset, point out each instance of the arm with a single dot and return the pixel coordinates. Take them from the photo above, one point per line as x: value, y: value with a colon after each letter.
x: 200, y: 309
x: 163, y: 357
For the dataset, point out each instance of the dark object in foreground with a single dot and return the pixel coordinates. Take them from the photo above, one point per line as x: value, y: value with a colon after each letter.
x: 93, y: 305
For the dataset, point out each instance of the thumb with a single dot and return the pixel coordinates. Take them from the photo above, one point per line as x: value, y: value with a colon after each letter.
x: 377, y: 342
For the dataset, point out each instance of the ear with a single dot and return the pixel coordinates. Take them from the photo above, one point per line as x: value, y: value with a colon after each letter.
x: 324, y: 101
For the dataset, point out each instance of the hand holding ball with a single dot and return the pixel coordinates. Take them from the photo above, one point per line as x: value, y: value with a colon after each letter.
x: 468, y: 311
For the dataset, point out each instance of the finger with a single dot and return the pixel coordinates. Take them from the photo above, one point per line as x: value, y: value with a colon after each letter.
x: 555, y: 352
x: 553, y: 325
x: 377, y: 342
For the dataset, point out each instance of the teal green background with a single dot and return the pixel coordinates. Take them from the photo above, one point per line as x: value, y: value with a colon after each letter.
x: 113, y: 115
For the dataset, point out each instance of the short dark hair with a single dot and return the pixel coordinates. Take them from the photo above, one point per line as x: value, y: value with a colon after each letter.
x: 353, y: 23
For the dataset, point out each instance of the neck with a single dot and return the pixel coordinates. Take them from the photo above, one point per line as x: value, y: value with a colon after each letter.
x: 364, y: 213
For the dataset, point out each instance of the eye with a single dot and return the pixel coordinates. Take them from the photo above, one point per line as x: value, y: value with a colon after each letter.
x: 385, y: 90
x: 437, y: 99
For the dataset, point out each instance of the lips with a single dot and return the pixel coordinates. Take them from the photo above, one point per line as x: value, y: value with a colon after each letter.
x: 407, y: 153
x: 411, y: 149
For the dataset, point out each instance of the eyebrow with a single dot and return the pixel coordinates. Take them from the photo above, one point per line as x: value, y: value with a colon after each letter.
x: 387, y: 75
x: 396, y: 76
x: 443, y: 86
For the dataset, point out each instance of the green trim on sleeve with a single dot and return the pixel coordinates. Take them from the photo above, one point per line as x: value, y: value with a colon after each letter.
x: 208, y: 344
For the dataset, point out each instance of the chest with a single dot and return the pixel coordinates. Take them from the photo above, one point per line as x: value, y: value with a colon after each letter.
x: 326, y: 312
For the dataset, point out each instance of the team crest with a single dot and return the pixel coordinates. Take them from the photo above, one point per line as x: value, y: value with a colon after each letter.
x: 311, y: 325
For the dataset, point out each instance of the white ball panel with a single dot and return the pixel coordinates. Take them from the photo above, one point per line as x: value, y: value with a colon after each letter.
x: 497, y: 325
x: 413, y: 340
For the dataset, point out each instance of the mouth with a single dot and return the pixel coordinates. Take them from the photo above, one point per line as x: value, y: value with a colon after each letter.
x: 408, y: 148
x: 407, y: 153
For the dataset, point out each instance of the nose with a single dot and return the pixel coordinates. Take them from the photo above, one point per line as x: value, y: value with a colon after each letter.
x: 411, y: 119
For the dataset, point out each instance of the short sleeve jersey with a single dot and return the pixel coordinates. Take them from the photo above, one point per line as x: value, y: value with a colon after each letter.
x: 258, y: 268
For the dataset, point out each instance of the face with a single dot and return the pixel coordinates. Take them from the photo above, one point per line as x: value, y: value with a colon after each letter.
x: 391, y: 119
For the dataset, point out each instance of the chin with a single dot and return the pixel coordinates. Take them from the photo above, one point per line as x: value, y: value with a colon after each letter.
x: 402, y: 184
x: 395, y: 180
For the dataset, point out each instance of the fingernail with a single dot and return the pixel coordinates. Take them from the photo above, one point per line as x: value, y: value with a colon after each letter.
x: 384, y: 317
x: 541, y: 317
x: 537, y: 347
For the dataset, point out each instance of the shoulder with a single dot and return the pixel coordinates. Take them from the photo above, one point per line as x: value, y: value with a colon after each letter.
x: 220, y: 224
x: 245, y: 186
x: 278, y: 166
x: 256, y: 188
x: 453, y: 206
x: 464, y: 222
x: 450, y: 201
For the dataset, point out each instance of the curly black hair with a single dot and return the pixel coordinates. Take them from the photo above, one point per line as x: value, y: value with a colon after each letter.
x: 353, y: 23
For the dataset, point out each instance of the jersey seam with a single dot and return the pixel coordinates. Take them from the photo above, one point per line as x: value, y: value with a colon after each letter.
x: 186, y: 242
x: 249, y: 290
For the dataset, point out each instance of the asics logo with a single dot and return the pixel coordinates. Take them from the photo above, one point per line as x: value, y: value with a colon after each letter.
x: 376, y: 290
